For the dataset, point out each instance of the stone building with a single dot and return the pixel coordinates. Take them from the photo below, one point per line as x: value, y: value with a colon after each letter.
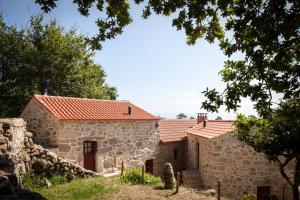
x: 96, y: 134
x: 214, y: 154
x: 208, y: 152
x: 172, y: 146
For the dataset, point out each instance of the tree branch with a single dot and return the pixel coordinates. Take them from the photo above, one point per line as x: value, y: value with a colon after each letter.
x: 281, y: 166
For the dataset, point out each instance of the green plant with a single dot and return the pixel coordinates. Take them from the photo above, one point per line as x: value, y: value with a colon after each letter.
x: 58, y: 179
x: 78, y: 189
x: 249, y: 196
x: 134, y: 176
x: 30, y: 181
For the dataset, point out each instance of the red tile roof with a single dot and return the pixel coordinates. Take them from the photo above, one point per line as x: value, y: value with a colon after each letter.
x: 69, y: 108
x: 213, y: 128
x: 172, y: 130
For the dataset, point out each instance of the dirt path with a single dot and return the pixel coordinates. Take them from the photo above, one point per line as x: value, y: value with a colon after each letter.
x: 132, y: 192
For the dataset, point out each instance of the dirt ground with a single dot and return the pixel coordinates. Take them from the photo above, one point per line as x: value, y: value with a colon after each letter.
x: 127, y: 191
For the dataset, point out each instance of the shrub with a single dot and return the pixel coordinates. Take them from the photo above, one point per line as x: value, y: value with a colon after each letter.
x: 134, y: 176
x: 249, y: 196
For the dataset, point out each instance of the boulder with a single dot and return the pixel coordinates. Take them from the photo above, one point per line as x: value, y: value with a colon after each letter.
x: 211, y: 192
x: 168, y: 176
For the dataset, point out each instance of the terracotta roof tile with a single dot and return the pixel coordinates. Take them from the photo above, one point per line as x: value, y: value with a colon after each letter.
x: 70, y: 108
x: 172, y: 130
x: 213, y: 128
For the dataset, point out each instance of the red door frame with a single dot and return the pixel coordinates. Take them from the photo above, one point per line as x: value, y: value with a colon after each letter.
x: 89, y: 155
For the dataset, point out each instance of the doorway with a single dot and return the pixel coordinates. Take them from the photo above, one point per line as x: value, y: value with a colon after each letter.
x: 149, y: 166
x: 89, y: 155
x: 263, y: 192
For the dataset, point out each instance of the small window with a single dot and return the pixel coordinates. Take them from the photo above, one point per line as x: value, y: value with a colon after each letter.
x: 175, y: 154
x: 88, y: 147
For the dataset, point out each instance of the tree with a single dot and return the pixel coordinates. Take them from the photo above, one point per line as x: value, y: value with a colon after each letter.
x: 267, y: 32
x: 277, y: 136
x: 181, y: 116
x: 219, y: 118
x: 46, y: 59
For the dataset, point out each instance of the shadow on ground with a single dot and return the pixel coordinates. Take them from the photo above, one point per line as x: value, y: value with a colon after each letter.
x: 22, y: 195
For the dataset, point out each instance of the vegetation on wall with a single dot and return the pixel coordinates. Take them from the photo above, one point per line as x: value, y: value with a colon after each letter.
x: 46, y: 59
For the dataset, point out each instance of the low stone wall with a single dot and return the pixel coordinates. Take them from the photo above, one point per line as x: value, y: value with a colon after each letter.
x: 18, y: 155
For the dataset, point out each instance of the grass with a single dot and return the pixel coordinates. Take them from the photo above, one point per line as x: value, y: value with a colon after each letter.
x: 90, y: 188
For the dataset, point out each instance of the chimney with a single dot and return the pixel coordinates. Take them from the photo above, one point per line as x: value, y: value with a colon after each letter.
x: 201, y: 117
x: 129, y: 110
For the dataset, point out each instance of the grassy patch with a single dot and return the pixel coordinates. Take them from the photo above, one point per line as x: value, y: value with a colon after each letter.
x: 58, y: 179
x: 134, y: 176
x: 90, y: 188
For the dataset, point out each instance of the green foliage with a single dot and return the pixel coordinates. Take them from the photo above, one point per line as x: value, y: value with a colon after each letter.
x: 249, y: 197
x: 46, y: 59
x: 58, y: 179
x: 266, y: 32
x: 89, y: 188
x: 181, y: 116
x: 277, y: 136
x: 30, y: 181
x: 134, y: 176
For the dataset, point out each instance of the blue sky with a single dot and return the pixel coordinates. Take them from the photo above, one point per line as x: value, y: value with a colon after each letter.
x: 150, y: 63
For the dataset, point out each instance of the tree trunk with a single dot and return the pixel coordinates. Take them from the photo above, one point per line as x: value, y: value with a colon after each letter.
x: 296, y: 180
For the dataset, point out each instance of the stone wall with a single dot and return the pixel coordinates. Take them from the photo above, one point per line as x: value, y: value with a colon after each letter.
x: 166, y: 154
x: 41, y: 123
x: 132, y: 142
x: 18, y: 155
x: 236, y: 164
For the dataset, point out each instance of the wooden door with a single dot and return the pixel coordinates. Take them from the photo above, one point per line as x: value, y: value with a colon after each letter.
x: 149, y: 166
x: 263, y: 192
x: 89, y: 154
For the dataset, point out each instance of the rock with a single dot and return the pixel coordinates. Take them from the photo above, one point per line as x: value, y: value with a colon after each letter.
x: 211, y: 192
x: 5, y: 185
x: 29, y: 134
x: 30, y: 141
x: 47, y: 183
x: 3, y: 148
x: 39, y: 165
x: 168, y: 176
x: 3, y: 140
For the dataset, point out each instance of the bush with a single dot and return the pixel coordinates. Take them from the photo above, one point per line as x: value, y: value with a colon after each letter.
x: 30, y: 181
x: 134, y: 176
x: 249, y: 197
